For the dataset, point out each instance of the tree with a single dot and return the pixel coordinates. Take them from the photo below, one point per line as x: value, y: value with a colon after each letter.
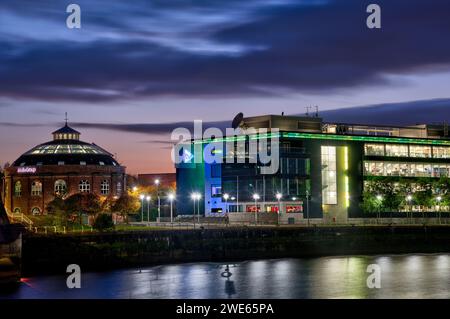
x: 126, y: 205
x: 57, y: 207
x: 103, y: 222
x: 83, y: 203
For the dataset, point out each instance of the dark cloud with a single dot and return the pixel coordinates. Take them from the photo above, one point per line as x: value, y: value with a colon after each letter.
x: 253, y: 48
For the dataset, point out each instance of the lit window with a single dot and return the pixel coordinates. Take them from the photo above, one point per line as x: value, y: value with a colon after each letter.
x: 216, y: 191
x: 18, y: 189
x: 84, y: 186
x: 420, y: 151
x: 374, y: 149
x: 441, y: 152
x: 329, y: 180
x: 60, y: 187
x: 102, y: 163
x: 61, y: 163
x: 119, y: 188
x: 396, y: 150
x: 36, y: 188
x: 36, y: 211
x: 104, y: 187
x: 82, y: 163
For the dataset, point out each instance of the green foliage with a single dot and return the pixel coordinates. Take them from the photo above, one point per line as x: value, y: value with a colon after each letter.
x: 103, y: 222
x: 126, y: 205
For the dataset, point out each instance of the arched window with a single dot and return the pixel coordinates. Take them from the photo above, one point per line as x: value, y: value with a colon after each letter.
x: 18, y: 189
x: 36, y: 188
x: 119, y: 188
x: 60, y: 187
x: 84, y: 186
x: 104, y: 187
x: 36, y: 211
x: 17, y: 210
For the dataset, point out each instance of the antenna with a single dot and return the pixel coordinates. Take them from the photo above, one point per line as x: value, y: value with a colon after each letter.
x: 66, y: 119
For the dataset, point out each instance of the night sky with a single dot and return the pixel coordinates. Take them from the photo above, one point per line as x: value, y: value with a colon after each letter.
x: 136, y: 69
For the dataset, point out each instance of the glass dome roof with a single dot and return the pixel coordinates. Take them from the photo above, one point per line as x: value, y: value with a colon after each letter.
x: 66, y: 150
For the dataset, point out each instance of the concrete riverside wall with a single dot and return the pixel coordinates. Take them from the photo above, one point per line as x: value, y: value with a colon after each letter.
x: 102, y: 251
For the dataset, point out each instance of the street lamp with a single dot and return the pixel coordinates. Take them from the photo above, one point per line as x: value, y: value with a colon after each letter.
x: 198, y: 196
x: 194, y: 198
x: 142, y: 207
x: 134, y: 189
x: 438, y: 199
x: 148, y: 208
x: 409, y: 199
x: 279, y: 196
x: 379, y: 199
x: 159, y: 200
x: 226, y: 196
x: 256, y: 197
x: 171, y: 198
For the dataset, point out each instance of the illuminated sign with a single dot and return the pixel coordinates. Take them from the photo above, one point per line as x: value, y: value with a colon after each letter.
x: 26, y: 170
x: 187, y: 156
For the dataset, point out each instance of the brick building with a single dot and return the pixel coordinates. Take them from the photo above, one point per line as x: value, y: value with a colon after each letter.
x: 61, y: 167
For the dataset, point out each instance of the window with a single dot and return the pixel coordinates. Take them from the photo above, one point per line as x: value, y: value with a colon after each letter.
x: 18, y: 189
x: 119, y: 188
x: 441, y: 152
x: 36, y: 188
x: 396, y: 150
x: 329, y: 180
x: 216, y: 190
x: 36, y: 211
x: 60, y: 187
x: 82, y: 163
x: 101, y: 163
x: 84, y: 186
x: 420, y: 151
x: 61, y: 163
x: 406, y: 169
x: 374, y: 149
x: 104, y: 187
x: 17, y: 210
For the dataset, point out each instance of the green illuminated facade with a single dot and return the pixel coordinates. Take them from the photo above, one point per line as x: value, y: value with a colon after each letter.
x: 348, y: 171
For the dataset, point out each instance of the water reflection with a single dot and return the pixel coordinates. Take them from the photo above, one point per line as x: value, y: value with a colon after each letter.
x: 402, y: 276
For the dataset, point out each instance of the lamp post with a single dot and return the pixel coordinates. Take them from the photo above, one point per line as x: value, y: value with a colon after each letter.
x: 148, y: 208
x: 307, y: 206
x: 438, y: 199
x: 159, y: 200
x: 194, y: 198
x: 142, y: 207
x: 226, y: 196
x: 199, y: 196
x: 171, y: 198
x: 409, y: 199
x: 279, y: 196
x: 380, y: 200
x: 256, y: 197
x: 135, y: 189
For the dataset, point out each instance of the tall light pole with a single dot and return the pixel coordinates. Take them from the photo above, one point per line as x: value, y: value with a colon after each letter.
x: 307, y: 205
x: 199, y: 196
x: 148, y: 208
x: 171, y: 198
x: 159, y: 200
x: 438, y: 199
x: 194, y: 198
x: 380, y: 200
x: 409, y: 199
x: 256, y: 197
x: 225, y: 197
x: 142, y: 207
x: 279, y: 196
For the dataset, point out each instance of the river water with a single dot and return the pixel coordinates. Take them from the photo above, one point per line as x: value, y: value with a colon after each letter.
x: 401, y: 276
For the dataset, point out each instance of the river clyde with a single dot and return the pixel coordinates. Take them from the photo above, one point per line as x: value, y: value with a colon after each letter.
x: 402, y: 276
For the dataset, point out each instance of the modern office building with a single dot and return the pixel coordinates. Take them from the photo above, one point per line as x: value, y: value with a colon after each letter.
x: 326, y: 171
x: 61, y: 167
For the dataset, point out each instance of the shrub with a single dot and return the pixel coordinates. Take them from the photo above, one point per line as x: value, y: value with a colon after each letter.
x: 103, y: 222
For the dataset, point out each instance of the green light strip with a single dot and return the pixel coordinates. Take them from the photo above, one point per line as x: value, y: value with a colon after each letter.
x: 401, y: 140
x: 319, y: 136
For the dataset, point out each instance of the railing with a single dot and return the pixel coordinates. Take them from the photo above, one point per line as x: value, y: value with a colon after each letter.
x: 20, y: 218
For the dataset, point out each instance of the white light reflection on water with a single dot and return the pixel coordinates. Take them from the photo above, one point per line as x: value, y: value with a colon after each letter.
x: 402, y: 276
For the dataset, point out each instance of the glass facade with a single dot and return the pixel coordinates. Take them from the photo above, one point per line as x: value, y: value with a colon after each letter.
x: 372, y: 168
x: 329, y: 179
x: 404, y: 150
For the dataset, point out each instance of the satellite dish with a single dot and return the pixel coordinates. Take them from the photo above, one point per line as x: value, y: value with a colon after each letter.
x: 238, y: 120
